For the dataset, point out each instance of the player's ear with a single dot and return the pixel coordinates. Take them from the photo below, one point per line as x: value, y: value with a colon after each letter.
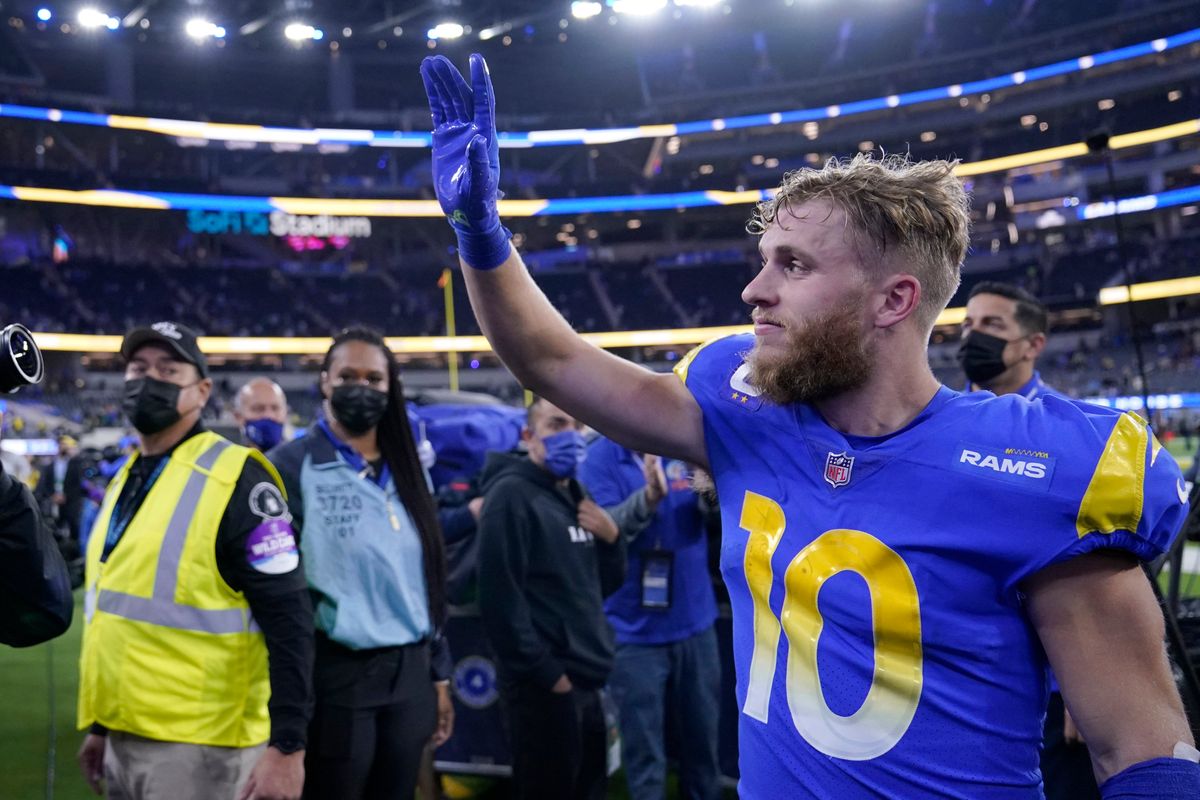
x: 899, y: 297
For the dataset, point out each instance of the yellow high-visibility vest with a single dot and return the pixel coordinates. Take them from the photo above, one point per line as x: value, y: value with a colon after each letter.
x: 170, y: 651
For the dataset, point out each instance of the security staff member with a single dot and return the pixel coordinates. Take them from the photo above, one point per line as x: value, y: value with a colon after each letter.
x: 1004, y: 332
x: 196, y: 608
x: 261, y: 411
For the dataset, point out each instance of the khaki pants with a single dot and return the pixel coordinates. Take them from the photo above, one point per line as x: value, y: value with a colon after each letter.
x: 136, y: 768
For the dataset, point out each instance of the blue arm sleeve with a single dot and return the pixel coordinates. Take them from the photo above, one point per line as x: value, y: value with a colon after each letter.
x: 1157, y: 779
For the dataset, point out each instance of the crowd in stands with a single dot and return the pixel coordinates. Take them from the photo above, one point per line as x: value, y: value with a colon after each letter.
x: 96, y: 297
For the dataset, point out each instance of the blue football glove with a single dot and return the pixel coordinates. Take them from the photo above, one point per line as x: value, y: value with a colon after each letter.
x: 466, y: 158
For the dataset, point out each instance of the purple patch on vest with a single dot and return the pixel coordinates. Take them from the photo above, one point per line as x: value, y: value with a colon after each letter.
x: 271, y: 547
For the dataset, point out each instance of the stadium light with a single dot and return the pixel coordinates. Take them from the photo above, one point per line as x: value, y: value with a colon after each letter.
x: 92, y: 18
x: 698, y: 3
x: 287, y: 345
x: 496, y: 30
x: 446, y: 30
x: 45, y: 15
x: 585, y: 9
x: 639, y: 8
x: 1154, y: 290
x: 203, y: 29
x: 299, y: 31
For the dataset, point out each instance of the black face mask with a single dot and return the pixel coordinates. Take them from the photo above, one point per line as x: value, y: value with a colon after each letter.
x: 151, y: 405
x: 981, y: 356
x: 358, y: 408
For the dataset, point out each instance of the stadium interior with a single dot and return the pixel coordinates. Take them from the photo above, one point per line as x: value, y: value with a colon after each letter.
x: 260, y: 172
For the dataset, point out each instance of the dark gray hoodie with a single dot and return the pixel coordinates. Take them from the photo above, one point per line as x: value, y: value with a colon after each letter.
x: 542, y: 578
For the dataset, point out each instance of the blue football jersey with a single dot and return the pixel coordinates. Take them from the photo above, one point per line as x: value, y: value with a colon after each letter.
x: 881, y: 644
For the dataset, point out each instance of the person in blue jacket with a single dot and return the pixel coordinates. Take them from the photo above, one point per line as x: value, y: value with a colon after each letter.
x: 662, y: 617
x: 373, y: 555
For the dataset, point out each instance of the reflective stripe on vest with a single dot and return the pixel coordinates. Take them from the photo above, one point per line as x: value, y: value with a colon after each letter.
x: 161, y: 608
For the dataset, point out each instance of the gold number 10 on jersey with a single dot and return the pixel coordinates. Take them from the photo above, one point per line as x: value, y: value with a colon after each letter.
x: 895, y: 690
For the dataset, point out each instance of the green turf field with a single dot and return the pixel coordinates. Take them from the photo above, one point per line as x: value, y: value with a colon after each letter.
x: 26, y: 676
x: 24, y: 727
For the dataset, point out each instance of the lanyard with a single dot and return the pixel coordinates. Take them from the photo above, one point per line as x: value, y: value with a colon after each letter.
x: 363, y: 469
x: 118, y: 522
x: 355, y: 461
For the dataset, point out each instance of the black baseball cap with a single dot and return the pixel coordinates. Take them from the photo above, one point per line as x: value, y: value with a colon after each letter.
x: 179, y: 339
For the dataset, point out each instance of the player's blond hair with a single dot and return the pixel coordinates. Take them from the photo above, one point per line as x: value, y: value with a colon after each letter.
x: 919, y: 208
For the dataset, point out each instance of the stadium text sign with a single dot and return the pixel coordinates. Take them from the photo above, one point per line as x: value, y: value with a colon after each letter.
x: 277, y: 223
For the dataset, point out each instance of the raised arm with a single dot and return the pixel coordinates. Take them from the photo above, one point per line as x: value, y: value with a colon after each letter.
x: 630, y: 404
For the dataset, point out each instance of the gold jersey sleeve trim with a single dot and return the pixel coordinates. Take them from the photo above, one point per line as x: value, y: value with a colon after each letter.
x: 681, y: 369
x: 1114, y: 497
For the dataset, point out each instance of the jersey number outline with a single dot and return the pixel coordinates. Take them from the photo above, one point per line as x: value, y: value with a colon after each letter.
x: 891, y: 702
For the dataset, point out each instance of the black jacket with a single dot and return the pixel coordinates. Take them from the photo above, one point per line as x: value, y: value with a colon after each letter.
x: 542, y: 579
x: 35, y: 590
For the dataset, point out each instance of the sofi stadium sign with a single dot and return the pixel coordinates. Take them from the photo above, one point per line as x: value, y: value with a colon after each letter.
x: 299, y: 231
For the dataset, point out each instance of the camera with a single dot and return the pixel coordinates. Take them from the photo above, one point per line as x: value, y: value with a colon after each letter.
x: 20, y: 360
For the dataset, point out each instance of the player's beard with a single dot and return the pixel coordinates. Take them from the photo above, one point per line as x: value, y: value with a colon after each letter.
x: 824, y: 357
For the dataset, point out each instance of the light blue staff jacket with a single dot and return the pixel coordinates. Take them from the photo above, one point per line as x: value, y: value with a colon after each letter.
x: 361, y: 550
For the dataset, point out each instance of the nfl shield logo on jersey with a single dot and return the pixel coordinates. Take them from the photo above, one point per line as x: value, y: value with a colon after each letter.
x: 837, y: 469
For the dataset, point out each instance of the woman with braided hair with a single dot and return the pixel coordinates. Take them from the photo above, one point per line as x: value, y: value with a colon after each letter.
x: 373, y: 554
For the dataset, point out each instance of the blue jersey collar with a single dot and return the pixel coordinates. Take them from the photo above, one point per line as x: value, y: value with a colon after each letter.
x: 1034, y: 388
x: 809, y: 416
x: 352, y: 457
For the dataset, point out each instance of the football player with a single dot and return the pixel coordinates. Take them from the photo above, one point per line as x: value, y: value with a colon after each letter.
x: 901, y: 559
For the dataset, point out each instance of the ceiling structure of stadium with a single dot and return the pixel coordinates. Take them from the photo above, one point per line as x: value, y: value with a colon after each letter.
x: 368, y: 21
